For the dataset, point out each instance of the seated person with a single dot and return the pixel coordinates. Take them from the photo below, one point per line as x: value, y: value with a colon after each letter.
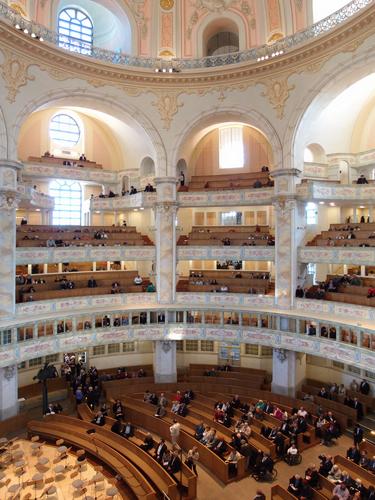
x: 292, y: 453
x: 362, y: 179
x: 174, y: 464
x: 99, y: 419
x: 220, y: 447
x: 199, y: 430
x: 128, y: 430
x: 148, y: 443
x: 160, y: 449
x: 138, y: 280
x: 91, y: 283
x: 150, y: 287
x: 295, y: 485
x: 117, y: 427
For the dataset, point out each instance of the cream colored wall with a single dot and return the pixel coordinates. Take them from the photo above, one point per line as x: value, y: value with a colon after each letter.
x: 98, y: 144
x: 363, y: 132
x: 205, y: 158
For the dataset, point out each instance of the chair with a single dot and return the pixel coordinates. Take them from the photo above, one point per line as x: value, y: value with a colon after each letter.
x: 112, y: 492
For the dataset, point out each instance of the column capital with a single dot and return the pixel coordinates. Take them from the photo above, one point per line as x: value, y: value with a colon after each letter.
x: 9, y: 197
x: 282, y: 172
x: 166, y: 189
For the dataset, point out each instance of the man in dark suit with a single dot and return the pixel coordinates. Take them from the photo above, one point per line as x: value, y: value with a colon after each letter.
x: 174, y: 463
x: 160, y: 449
x: 117, y: 427
x: 295, y: 485
x: 128, y: 430
x: 357, y: 435
x: 91, y: 283
x: 364, y: 387
x: 220, y: 447
x: 357, y: 405
x: 148, y: 443
x: 99, y: 419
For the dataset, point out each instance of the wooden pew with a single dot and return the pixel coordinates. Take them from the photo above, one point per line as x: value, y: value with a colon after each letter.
x: 329, y: 404
x: 189, y: 479
x: 280, y: 493
x: 143, y: 416
x: 68, y: 429
x: 355, y: 470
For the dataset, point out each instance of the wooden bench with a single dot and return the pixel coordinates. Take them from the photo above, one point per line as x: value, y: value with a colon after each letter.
x: 329, y: 404
x: 189, y: 479
x: 72, y: 432
x: 56, y: 160
x: 355, y: 470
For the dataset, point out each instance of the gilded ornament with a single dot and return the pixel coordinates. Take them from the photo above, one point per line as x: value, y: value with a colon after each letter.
x: 166, y: 4
x: 167, y: 105
x: 14, y: 71
x: 278, y: 92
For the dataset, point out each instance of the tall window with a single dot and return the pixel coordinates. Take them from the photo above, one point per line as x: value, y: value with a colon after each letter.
x: 231, y: 150
x: 68, y: 202
x: 75, y: 31
x: 311, y: 213
x: 64, y: 130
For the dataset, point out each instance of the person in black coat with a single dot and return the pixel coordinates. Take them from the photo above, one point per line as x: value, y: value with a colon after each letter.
x: 160, y: 449
x: 353, y: 454
x: 148, y: 443
x: 364, y: 387
x: 357, y: 435
x: 357, y: 405
x: 174, y: 463
x: 117, y: 427
x: 295, y: 485
x: 99, y: 419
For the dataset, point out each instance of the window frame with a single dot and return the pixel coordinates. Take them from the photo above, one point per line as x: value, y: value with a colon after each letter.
x: 76, y: 34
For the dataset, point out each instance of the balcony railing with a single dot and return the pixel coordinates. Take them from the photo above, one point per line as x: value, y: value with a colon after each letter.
x: 67, y: 331
x: 258, y: 54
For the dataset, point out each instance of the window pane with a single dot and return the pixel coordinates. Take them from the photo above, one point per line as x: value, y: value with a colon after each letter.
x: 231, y: 150
x: 72, y: 23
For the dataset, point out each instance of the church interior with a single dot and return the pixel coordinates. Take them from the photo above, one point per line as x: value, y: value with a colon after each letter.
x: 187, y: 286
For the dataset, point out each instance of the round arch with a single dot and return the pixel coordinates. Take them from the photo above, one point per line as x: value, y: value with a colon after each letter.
x: 316, y: 152
x: 333, y: 81
x: 193, y: 131
x: 95, y: 100
x: 147, y: 168
x: 232, y: 18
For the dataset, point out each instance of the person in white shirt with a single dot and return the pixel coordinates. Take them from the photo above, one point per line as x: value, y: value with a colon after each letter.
x: 292, y: 450
x: 302, y: 412
x: 138, y: 280
x: 174, y: 430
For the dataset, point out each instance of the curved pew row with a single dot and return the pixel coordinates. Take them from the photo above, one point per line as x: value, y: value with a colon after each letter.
x: 189, y: 479
x: 142, y: 415
x: 102, y: 446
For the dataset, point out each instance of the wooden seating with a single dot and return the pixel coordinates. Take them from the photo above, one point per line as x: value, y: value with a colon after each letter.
x: 237, y: 236
x: 226, y: 181
x: 189, y: 479
x: 337, y: 235
x: 355, y: 470
x: 55, y: 160
x: 280, y: 493
x: 329, y: 405
x: 79, y: 236
x: 142, y: 414
x: 102, y: 446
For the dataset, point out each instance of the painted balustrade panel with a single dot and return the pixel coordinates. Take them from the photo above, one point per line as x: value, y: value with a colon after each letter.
x: 334, y: 350
x: 35, y: 255
x: 221, y: 299
x: 337, y: 255
x: 226, y: 198
x: 43, y: 170
x: 225, y: 252
x: 336, y: 309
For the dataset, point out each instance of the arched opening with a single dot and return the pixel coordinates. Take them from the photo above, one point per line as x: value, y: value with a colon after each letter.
x: 314, y: 153
x: 181, y: 168
x: 221, y: 36
x: 147, y: 172
x: 75, y: 29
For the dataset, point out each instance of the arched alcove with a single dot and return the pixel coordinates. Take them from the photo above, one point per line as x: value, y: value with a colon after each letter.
x: 146, y: 171
x: 221, y: 36
x: 181, y: 167
x: 315, y: 153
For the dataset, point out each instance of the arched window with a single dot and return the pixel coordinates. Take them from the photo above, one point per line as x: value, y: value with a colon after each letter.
x: 75, y: 31
x: 224, y: 42
x: 68, y: 202
x: 64, y: 130
x: 231, y: 149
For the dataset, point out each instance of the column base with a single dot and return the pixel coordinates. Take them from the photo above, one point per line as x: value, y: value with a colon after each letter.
x: 283, y: 391
x: 170, y: 378
x: 10, y: 412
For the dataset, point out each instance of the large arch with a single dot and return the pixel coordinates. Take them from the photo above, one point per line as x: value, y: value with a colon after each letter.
x: 95, y: 100
x: 332, y: 82
x: 3, y: 137
x: 193, y: 132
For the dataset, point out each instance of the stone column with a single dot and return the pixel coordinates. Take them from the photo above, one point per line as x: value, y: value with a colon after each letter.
x: 288, y: 371
x: 165, y: 233
x: 165, y: 369
x: 290, y: 226
x: 8, y: 392
x: 8, y: 205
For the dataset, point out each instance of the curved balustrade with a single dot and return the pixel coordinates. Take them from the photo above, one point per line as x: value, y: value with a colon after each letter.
x: 361, y: 256
x: 225, y: 252
x: 258, y: 54
x: 38, y: 255
x: 329, y: 191
x: 35, y: 198
x: 26, y: 340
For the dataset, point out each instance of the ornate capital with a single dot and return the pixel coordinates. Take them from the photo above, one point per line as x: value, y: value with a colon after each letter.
x: 9, y: 200
x: 166, y: 208
x: 284, y: 205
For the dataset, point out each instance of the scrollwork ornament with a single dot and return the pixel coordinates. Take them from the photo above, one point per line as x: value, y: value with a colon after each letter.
x: 9, y: 372
x: 284, y: 206
x: 14, y: 71
x: 278, y: 92
x: 281, y: 354
x: 167, y: 105
x: 8, y: 200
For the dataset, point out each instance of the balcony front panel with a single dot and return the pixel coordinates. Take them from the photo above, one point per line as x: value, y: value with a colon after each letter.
x: 43, y: 255
x: 337, y: 255
x: 257, y: 253
x: 337, y: 309
x: 43, y: 171
x: 87, y: 304
x: 33, y: 198
x: 139, y: 200
x: 224, y: 299
x: 330, y: 191
x: 70, y: 342
x: 226, y: 198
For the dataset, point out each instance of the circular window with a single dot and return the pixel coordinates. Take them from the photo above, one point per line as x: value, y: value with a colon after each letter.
x: 64, y: 130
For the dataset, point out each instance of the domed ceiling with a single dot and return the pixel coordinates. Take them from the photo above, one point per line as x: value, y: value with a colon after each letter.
x: 183, y: 28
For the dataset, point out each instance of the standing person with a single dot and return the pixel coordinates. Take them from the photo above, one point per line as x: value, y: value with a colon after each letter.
x: 182, y: 178
x: 357, y: 435
x: 174, y: 429
x: 192, y: 459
